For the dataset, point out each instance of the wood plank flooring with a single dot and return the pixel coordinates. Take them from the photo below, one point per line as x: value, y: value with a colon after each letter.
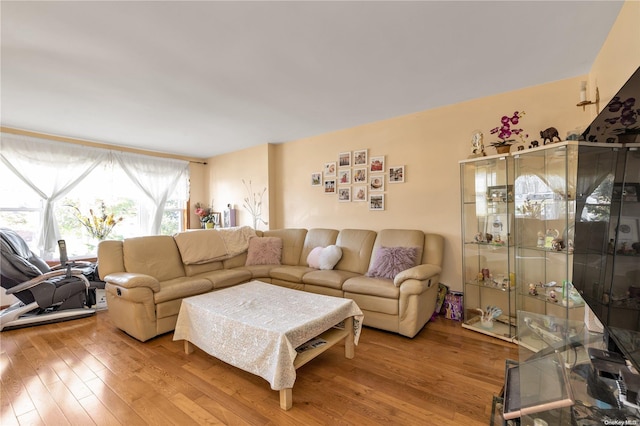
x: 85, y: 372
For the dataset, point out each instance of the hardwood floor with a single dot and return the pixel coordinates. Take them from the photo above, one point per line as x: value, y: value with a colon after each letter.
x: 86, y: 371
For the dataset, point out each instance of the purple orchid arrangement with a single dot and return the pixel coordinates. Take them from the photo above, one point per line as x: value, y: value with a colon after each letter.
x: 505, y: 131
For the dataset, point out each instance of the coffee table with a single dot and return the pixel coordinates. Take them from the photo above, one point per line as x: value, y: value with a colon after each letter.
x: 258, y: 326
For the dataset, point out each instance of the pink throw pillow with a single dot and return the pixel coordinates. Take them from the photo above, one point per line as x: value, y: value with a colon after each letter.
x: 264, y: 251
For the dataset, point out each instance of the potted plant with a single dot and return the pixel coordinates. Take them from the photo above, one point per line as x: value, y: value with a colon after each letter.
x: 505, y: 132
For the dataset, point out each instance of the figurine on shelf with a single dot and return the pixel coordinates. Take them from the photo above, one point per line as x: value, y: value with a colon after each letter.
x: 477, y: 145
x: 489, y: 315
x: 486, y: 275
x: 611, y: 247
x: 557, y: 244
x: 533, y: 289
x: 552, y: 295
x: 540, y: 239
x: 479, y: 237
x: 488, y: 237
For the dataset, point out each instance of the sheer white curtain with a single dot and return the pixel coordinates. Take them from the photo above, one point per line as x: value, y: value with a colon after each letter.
x: 156, y: 178
x: 38, y: 163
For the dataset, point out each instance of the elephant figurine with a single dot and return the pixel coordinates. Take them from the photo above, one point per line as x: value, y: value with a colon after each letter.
x: 549, y: 134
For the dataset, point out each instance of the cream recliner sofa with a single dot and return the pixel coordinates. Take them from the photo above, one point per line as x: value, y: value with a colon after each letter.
x: 147, y: 277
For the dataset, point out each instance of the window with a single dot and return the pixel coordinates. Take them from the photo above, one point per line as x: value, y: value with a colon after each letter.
x: 127, y: 194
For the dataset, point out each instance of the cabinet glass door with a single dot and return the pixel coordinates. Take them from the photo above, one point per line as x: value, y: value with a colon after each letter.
x: 487, y: 213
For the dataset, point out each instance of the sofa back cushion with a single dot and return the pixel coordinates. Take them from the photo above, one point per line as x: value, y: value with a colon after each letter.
x: 317, y: 237
x: 433, y: 249
x: 110, y: 257
x: 356, y: 245
x: 399, y: 238
x: 155, y: 255
x: 292, y: 242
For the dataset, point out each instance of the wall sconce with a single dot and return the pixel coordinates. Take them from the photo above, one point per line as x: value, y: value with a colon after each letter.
x: 583, y: 96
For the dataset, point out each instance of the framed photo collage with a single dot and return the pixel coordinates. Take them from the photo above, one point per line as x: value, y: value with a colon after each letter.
x: 356, y: 177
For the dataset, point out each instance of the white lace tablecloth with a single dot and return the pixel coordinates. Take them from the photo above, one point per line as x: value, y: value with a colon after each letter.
x: 257, y: 326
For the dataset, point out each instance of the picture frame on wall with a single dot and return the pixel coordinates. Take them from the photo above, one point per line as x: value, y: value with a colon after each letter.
x: 376, y: 183
x: 344, y: 194
x: 396, y: 174
x: 344, y: 159
x: 377, y: 164
x: 376, y: 202
x: 360, y: 175
x: 316, y: 179
x: 344, y: 177
x: 329, y: 186
x: 360, y: 157
x: 330, y: 169
x: 359, y: 193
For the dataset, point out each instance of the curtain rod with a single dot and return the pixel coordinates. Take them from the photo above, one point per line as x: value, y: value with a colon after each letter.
x: 98, y: 144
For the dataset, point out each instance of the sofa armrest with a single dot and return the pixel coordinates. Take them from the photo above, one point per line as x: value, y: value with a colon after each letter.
x: 419, y: 272
x: 131, y: 280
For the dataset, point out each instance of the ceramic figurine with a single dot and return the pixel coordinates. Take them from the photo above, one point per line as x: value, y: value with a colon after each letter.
x: 477, y: 145
x: 533, y: 289
x: 540, y: 239
x: 549, y: 134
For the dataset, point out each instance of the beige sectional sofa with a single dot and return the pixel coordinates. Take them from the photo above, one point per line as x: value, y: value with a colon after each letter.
x: 147, y: 277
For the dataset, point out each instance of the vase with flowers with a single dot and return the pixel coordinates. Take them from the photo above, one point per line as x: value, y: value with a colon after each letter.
x: 208, y: 219
x: 505, y: 132
x: 98, y: 223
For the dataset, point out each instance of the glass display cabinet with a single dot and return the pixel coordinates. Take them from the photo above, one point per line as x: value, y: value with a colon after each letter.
x: 487, y: 258
x: 545, y: 182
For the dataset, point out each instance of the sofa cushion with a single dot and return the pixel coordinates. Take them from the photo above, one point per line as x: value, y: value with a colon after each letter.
x: 292, y: 242
x: 182, y: 287
x: 316, y: 237
x: 264, y: 251
x: 379, y: 287
x: 154, y: 255
x: 356, y: 245
x: 328, y: 278
x: 390, y: 261
x: 292, y: 274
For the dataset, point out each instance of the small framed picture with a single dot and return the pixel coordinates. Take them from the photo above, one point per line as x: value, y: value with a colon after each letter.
x: 376, y: 202
x: 344, y: 177
x: 360, y: 157
x: 330, y: 169
x: 344, y: 194
x: 376, y: 183
x: 329, y: 186
x: 377, y: 164
x: 344, y: 159
x: 396, y: 174
x: 360, y: 193
x: 316, y: 179
x: 360, y: 175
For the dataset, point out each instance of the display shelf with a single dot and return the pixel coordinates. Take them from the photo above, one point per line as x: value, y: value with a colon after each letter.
x: 487, y: 213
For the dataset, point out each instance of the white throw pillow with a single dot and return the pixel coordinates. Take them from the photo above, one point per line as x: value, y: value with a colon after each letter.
x: 313, y: 260
x: 330, y: 256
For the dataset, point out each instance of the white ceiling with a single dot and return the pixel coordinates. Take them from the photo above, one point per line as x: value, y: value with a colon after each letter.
x: 204, y: 78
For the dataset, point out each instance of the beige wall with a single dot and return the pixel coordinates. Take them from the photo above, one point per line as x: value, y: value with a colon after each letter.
x: 224, y: 177
x: 619, y: 56
x: 430, y: 144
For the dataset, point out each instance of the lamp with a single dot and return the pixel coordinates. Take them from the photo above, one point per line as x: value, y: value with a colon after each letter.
x: 583, y: 96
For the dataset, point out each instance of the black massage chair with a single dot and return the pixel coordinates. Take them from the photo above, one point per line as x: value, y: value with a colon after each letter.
x: 45, y: 294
